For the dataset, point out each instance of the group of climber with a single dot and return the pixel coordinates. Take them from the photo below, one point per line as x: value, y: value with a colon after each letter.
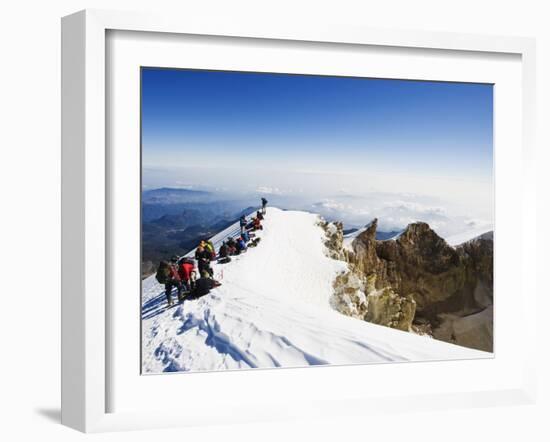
x: 180, y: 272
x: 254, y: 224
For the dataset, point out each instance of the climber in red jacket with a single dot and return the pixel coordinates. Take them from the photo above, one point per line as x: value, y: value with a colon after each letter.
x: 173, y: 280
x: 187, y: 272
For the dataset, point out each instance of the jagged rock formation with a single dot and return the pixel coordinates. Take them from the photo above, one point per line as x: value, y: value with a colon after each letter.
x: 417, y: 282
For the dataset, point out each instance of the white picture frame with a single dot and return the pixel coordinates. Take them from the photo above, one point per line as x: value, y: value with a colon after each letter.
x: 85, y: 213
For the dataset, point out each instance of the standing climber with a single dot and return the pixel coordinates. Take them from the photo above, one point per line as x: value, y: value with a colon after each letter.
x: 242, y: 223
x: 173, y: 280
x: 203, y: 257
x: 264, y: 204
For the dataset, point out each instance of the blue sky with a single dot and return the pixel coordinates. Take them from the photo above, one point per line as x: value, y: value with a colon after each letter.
x: 328, y: 138
x: 316, y: 121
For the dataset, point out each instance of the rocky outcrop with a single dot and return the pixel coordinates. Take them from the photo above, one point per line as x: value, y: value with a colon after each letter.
x: 355, y: 297
x: 349, y: 295
x: 334, y: 239
x: 386, y: 307
x: 418, y: 282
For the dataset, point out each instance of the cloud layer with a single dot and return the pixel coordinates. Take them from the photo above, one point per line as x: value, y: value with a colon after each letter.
x: 396, y: 211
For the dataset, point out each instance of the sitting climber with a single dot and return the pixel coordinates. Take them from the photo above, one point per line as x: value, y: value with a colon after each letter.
x: 257, y: 224
x: 203, y: 285
x: 231, y: 246
x: 250, y: 225
x: 223, y: 254
x: 241, y: 245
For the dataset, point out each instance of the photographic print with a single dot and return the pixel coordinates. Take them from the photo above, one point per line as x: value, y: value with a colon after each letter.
x: 301, y: 220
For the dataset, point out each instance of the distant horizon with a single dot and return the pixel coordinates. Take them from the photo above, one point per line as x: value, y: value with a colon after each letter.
x: 398, y: 147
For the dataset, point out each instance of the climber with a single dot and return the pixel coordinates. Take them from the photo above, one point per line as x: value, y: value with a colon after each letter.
x: 257, y: 224
x: 241, y: 245
x: 210, y: 247
x: 231, y: 246
x: 223, y: 254
x: 187, y: 273
x: 264, y: 204
x: 242, y: 223
x: 250, y: 225
x: 203, y: 257
x: 173, y: 280
x: 203, y: 285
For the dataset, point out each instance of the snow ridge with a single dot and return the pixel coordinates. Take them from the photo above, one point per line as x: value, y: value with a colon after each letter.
x: 462, y: 238
x: 273, y: 310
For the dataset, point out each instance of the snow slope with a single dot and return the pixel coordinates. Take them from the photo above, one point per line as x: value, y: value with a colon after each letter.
x: 482, y: 232
x: 273, y: 310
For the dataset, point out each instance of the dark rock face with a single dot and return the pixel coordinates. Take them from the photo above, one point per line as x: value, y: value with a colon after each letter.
x: 147, y: 268
x: 445, y: 283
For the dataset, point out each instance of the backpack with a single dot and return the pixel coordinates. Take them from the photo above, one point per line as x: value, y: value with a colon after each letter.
x: 163, y: 271
x: 254, y: 242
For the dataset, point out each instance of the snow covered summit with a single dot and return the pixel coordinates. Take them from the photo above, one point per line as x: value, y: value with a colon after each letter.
x: 273, y: 310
